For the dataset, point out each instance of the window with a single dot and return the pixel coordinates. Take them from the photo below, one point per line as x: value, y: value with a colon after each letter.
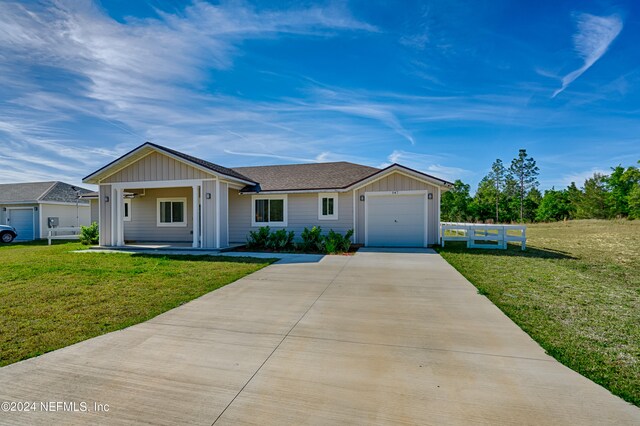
x: 172, y: 212
x: 269, y: 210
x: 127, y: 210
x: 328, y: 206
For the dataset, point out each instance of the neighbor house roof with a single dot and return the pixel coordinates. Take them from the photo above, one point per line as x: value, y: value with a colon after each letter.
x: 147, y: 146
x: 313, y: 176
x: 33, y: 192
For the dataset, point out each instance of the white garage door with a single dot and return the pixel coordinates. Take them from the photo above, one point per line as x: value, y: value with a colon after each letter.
x: 396, y: 220
x: 22, y: 220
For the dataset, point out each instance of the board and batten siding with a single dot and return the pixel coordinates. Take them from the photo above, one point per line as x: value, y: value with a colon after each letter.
x: 302, y: 212
x: 144, y: 216
x: 155, y: 167
x: 399, y: 182
x: 105, y: 215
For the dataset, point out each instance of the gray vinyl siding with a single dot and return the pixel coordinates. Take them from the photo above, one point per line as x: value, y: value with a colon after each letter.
x: 399, y: 182
x: 144, y: 217
x: 105, y: 215
x: 302, y: 212
x: 156, y: 167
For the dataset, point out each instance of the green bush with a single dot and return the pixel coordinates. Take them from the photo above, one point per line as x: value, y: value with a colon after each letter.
x: 259, y: 239
x: 335, y: 242
x: 90, y: 234
x: 281, y: 240
x: 311, y: 239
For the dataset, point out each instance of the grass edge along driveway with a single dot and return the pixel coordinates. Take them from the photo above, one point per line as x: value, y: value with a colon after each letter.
x: 576, y: 291
x: 52, y: 297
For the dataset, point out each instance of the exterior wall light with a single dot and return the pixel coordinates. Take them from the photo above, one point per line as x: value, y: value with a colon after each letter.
x: 106, y: 198
x: 208, y: 195
x: 430, y: 196
x: 362, y: 198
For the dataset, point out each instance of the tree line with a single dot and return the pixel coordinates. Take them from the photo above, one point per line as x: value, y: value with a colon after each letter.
x: 510, y: 194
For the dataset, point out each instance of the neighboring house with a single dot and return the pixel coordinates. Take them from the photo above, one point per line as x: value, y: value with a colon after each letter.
x: 35, y: 207
x: 156, y: 194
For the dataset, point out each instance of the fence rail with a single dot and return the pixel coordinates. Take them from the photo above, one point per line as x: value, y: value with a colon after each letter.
x: 480, y: 235
x: 69, y: 233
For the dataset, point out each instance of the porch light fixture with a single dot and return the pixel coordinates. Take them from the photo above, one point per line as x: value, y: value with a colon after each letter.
x: 106, y: 198
x: 208, y: 195
x: 35, y: 209
x: 362, y: 198
x: 430, y: 196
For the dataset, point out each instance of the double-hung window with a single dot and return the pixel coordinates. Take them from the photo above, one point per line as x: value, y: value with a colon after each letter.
x: 328, y: 206
x: 269, y: 210
x: 172, y: 212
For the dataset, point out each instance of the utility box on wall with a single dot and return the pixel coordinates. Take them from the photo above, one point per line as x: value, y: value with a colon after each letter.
x: 53, y: 222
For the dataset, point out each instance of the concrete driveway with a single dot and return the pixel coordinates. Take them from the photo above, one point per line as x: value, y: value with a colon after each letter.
x: 376, y: 338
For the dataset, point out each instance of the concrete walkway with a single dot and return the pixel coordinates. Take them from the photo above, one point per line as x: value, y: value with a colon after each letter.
x: 376, y: 338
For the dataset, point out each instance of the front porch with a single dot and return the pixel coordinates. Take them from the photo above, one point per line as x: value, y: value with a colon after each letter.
x: 161, y: 215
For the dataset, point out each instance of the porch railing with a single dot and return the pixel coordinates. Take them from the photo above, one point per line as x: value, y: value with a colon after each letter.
x: 480, y: 235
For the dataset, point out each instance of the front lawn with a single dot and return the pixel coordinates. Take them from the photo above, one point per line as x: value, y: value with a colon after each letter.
x: 576, y: 291
x: 51, y: 297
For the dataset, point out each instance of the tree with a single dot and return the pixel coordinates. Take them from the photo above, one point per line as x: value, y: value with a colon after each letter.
x: 455, y: 203
x: 531, y: 203
x: 525, y: 172
x: 483, y: 202
x: 574, y: 197
x: 554, y: 206
x: 497, y: 176
x: 593, y: 203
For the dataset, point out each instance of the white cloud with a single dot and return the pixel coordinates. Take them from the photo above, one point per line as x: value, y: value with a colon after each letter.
x: 580, y: 177
x: 143, y: 78
x: 595, y: 35
x: 430, y: 164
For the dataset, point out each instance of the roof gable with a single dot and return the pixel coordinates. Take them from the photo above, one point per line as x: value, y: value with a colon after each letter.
x: 124, y: 169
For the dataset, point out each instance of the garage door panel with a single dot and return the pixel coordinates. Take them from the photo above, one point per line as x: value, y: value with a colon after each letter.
x: 396, y: 220
x: 22, y: 220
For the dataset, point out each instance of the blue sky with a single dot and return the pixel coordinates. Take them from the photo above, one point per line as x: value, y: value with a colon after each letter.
x: 442, y: 86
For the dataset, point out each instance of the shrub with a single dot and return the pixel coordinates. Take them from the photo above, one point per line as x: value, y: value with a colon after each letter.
x: 259, y: 239
x: 281, y: 240
x: 312, y: 239
x: 90, y: 234
x: 335, y: 242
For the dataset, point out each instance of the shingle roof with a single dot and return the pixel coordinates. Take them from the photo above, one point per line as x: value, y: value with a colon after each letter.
x: 211, y: 166
x: 39, y: 191
x: 312, y: 176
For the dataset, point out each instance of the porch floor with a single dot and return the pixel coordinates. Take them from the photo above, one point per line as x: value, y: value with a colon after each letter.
x: 161, y: 247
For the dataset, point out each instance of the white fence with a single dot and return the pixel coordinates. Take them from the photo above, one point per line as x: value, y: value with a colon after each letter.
x: 69, y: 233
x: 480, y: 235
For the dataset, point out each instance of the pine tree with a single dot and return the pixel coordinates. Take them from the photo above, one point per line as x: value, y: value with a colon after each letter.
x: 525, y: 172
x: 498, y: 175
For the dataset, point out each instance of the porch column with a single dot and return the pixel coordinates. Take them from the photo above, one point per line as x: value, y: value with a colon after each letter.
x: 114, y: 217
x: 119, y: 220
x: 196, y: 218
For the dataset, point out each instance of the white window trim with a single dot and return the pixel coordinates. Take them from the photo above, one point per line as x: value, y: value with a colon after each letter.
x: 269, y: 197
x: 335, y: 197
x: 127, y: 201
x: 172, y: 224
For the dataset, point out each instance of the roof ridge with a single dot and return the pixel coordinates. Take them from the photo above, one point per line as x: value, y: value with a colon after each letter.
x: 48, y: 190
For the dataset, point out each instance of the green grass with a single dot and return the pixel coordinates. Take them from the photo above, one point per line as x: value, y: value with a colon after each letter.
x: 576, y: 291
x: 51, y: 297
